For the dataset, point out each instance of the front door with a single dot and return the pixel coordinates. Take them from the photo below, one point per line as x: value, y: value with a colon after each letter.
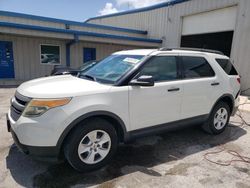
x: 160, y: 103
x: 6, y: 60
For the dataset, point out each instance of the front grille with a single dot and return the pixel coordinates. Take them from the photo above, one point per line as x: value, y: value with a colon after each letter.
x: 18, y: 104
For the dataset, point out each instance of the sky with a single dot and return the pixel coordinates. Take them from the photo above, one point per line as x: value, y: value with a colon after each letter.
x: 77, y: 10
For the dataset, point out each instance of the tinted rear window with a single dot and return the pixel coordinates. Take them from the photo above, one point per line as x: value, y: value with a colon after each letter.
x: 196, y: 67
x: 227, y: 66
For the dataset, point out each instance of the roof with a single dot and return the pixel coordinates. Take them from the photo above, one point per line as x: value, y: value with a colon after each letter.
x: 99, y: 33
x: 197, y: 52
x: 192, y: 50
x: 69, y: 22
x: 157, y: 6
x: 145, y: 52
x: 77, y: 33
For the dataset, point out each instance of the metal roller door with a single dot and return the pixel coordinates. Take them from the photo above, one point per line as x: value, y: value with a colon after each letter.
x: 211, y: 30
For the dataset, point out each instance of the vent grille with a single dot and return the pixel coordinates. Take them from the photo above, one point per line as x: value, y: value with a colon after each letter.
x: 18, y: 104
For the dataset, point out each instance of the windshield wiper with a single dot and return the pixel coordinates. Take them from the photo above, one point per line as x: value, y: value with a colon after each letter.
x: 88, y: 77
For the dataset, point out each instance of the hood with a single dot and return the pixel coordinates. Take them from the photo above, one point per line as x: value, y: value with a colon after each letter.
x: 60, y: 86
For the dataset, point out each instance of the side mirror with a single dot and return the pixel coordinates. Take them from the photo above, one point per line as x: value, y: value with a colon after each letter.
x: 143, y: 80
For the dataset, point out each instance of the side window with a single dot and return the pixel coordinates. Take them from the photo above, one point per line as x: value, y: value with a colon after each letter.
x: 227, y: 66
x: 162, y: 68
x: 196, y: 67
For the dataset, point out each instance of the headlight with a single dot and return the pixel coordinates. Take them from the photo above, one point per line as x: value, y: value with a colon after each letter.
x: 37, y: 107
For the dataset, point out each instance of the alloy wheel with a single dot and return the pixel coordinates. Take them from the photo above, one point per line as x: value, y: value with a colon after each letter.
x: 94, y: 146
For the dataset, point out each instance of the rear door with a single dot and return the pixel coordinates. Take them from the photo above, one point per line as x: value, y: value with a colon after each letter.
x: 201, y: 86
x: 161, y: 103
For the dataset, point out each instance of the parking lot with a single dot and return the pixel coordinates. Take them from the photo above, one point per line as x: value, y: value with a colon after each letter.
x: 175, y: 159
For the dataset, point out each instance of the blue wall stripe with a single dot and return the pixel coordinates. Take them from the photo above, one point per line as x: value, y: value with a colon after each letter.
x: 74, y: 32
x: 83, y: 24
x: 161, y: 5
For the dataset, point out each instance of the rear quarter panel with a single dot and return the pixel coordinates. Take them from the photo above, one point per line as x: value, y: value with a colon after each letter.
x: 229, y: 83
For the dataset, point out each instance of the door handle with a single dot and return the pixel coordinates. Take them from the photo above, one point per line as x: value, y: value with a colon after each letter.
x: 215, y: 84
x: 173, y: 89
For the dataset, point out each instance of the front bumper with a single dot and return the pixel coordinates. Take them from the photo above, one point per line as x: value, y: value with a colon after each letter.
x: 47, y: 153
x: 41, y: 131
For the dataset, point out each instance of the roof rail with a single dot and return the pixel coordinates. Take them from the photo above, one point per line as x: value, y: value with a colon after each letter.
x: 193, y: 49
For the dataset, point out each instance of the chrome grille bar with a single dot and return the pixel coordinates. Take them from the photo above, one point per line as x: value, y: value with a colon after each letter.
x: 18, y: 104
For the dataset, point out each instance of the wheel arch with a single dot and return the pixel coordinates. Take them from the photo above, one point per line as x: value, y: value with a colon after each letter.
x: 227, y: 98
x: 114, y: 119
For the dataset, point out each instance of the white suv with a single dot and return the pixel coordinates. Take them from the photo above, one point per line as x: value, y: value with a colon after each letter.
x: 129, y: 94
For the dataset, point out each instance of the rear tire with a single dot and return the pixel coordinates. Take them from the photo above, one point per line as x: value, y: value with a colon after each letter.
x: 218, y: 119
x: 91, y: 145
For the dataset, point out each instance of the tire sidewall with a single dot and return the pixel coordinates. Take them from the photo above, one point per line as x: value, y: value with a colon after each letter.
x: 211, y: 118
x: 71, y: 147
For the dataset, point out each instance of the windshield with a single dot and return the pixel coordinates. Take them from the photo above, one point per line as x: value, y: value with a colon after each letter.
x: 111, y: 69
x: 86, y: 66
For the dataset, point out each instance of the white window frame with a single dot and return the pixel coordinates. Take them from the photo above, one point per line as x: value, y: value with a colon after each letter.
x: 50, y: 45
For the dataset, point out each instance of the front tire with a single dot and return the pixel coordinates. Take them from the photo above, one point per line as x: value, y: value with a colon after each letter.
x: 218, y: 119
x: 91, y: 145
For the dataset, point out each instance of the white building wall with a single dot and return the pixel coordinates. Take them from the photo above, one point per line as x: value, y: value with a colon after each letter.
x: 166, y: 23
x: 148, y: 21
x: 26, y: 42
x: 26, y: 52
x: 102, y: 51
x: 78, y: 27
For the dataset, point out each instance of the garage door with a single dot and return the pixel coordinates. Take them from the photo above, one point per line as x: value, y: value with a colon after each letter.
x: 209, y: 22
x: 221, y: 41
x: 210, y: 30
